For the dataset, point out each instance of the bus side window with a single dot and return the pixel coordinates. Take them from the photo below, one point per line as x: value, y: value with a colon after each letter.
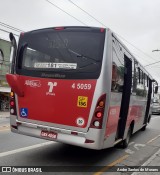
x: 134, y: 76
x: 114, y: 76
x: 117, y: 72
x: 141, y: 89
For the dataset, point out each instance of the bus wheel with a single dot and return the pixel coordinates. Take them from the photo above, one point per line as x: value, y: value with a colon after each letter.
x: 125, y: 142
x: 143, y: 128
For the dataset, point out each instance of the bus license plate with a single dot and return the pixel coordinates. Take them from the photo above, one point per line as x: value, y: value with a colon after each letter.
x: 47, y: 134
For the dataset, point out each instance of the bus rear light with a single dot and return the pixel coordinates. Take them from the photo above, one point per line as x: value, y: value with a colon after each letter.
x: 18, y: 123
x: 12, y: 103
x: 74, y: 133
x: 97, y: 118
x: 101, y: 104
x: 96, y: 123
x: 102, y: 30
x: 12, y: 111
x: 12, y: 95
x: 99, y: 114
x: 15, y: 127
x: 89, y: 141
x: 59, y: 28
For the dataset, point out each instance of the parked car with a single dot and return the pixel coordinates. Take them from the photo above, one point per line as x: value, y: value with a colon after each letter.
x: 155, y: 106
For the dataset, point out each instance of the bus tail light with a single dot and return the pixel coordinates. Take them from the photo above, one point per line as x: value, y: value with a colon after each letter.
x: 99, y: 114
x: 97, y: 118
x: 89, y: 141
x: 102, y: 30
x: 12, y: 104
x: 59, y: 28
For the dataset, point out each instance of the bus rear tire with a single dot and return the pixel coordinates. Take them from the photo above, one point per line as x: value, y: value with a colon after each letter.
x: 125, y: 142
x: 143, y: 128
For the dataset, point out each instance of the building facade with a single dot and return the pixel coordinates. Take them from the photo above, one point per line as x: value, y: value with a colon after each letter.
x: 5, y: 51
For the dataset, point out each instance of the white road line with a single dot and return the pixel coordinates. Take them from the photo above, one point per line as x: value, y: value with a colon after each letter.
x: 25, y: 149
x: 131, y: 143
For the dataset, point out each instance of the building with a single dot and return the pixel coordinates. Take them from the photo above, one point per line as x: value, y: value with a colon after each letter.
x: 5, y: 51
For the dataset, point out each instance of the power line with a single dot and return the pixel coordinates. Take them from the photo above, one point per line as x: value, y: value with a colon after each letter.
x: 8, y: 32
x: 135, y: 47
x: 140, y: 57
x: 106, y: 27
x: 66, y: 12
x: 87, y: 13
x: 152, y: 63
x: 10, y: 27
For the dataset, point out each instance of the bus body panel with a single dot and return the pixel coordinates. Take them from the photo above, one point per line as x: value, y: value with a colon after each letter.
x: 63, y: 135
x: 67, y: 102
x: 113, y: 113
x: 137, y: 112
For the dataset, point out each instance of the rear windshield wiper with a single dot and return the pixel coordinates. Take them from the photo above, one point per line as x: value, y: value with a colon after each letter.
x: 82, y: 56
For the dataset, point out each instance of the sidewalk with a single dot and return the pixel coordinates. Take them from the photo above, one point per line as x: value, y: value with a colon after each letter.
x: 153, y: 161
x: 147, y: 159
x: 4, y: 114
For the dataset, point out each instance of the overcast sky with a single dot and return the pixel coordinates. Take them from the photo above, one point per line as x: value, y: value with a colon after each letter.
x: 137, y: 21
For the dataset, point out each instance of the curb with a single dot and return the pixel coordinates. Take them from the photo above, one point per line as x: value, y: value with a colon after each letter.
x: 4, y: 115
x: 151, y: 159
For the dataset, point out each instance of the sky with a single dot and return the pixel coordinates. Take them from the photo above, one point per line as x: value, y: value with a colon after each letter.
x: 137, y: 22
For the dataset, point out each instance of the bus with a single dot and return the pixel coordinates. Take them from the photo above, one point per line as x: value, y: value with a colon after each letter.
x: 77, y: 85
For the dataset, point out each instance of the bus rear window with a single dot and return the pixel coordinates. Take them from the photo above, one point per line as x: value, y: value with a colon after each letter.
x: 71, y: 52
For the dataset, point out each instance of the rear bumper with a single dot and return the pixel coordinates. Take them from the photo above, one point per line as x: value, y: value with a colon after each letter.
x: 63, y: 135
x: 157, y: 110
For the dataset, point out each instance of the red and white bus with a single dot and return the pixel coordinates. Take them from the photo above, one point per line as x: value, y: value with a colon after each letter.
x: 77, y: 85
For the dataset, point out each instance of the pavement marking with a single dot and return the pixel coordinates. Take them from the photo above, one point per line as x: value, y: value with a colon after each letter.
x: 129, y: 151
x: 131, y: 143
x: 111, y: 165
x: 153, y: 139
x: 4, y: 128
x: 25, y: 149
x: 137, y: 145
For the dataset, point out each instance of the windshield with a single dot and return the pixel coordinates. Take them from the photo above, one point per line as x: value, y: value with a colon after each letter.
x: 67, y: 51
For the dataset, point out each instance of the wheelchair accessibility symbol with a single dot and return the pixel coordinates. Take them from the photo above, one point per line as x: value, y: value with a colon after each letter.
x: 24, y: 112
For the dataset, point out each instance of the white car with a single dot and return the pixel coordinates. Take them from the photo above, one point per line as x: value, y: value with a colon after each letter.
x: 155, y: 106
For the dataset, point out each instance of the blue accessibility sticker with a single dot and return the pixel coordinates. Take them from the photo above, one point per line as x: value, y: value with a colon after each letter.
x: 24, y: 112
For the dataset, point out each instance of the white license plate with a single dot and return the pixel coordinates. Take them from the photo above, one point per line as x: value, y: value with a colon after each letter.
x: 48, y: 134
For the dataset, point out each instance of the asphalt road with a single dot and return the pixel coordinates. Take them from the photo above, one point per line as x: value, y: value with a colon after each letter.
x: 19, y: 150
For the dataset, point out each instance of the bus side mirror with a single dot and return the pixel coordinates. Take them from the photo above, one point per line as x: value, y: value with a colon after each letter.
x: 14, y: 45
x: 156, y: 90
x: 1, y: 57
